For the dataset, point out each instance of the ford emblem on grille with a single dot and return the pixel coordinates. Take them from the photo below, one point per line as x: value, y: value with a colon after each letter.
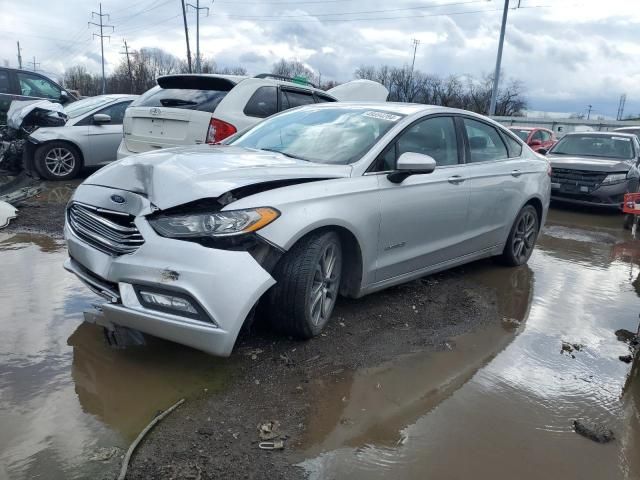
x: 117, y: 199
x: 155, y: 111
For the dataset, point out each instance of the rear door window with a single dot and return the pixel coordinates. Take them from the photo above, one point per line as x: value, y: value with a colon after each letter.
x: 292, y: 99
x: 263, y: 102
x: 546, y: 136
x: 514, y: 147
x: 485, y: 143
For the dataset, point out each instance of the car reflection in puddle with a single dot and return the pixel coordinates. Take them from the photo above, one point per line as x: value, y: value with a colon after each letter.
x: 504, y: 397
x: 64, y: 394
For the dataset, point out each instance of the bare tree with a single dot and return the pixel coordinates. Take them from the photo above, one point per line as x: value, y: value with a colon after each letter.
x: 453, y: 91
x: 292, y: 68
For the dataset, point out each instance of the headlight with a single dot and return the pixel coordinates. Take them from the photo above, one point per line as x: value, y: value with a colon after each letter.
x: 219, y: 224
x: 614, y: 178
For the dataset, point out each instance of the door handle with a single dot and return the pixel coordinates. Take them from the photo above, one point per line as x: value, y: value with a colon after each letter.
x: 456, y: 179
x: 516, y: 173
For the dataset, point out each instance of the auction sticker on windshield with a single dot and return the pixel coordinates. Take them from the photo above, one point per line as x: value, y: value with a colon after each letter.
x: 382, y: 116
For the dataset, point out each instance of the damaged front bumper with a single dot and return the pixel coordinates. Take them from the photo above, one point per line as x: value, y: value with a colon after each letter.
x: 222, y: 286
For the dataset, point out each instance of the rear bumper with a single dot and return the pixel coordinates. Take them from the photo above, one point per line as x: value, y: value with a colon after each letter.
x: 224, y: 284
x: 123, y: 151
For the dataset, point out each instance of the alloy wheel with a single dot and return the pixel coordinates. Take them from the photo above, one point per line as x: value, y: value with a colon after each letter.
x: 525, y: 236
x: 324, y: 289
x: 59, y: 161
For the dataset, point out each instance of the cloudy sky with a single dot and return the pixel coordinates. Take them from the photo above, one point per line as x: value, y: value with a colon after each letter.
x: 569, y: 53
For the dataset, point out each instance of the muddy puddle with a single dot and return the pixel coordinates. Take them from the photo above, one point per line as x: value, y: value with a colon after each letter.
x: 495, y: 403
x: 66, y: 398
x: 500, y: 403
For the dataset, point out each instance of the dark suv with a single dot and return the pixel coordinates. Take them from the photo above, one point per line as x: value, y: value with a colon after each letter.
x: 24, y: 85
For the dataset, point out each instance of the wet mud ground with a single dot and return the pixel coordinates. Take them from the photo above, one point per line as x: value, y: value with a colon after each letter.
x: 459, y: 374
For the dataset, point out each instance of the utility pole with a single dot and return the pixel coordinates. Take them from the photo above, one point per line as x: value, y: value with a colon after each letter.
x: 496, y: 74
x: 186, y: 35
x: 34, y: 64
x: 126, y: 52
x: 416, y: 42
x: 589, y: 111
x: 197, y: 8
x: 19, y: 57
x: 102, y: 36
x: 623, y: 100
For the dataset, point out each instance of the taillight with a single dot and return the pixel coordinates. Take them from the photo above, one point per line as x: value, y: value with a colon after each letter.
x: 219, y: 130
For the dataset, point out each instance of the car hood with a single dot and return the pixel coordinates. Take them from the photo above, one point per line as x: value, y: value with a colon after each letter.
x: 174, y: 176
x: 594, y: 164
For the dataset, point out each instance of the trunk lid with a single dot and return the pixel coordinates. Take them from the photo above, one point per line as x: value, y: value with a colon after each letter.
x: 176, y: 176
x: 176, y: 112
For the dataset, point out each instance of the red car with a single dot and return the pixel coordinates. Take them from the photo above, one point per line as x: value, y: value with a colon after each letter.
x: 536, y: 138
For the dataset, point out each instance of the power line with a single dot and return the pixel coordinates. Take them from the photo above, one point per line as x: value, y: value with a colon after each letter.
x: 346, y: 20
x: 366, y: 12
x: 102, y: 36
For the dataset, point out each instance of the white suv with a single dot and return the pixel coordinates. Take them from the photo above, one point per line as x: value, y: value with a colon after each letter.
x: 192, y: 109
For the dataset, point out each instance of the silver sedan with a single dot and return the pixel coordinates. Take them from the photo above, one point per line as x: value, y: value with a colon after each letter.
x: 317, y: 201
x: 89, y: 138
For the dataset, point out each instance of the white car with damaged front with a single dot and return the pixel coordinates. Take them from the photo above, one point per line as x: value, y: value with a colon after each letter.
x: 318, y: 201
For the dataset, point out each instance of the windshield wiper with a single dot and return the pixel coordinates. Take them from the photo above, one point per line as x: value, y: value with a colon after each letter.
x: 285, y: 154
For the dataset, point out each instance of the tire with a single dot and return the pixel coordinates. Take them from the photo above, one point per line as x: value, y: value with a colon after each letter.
x: 308, y: 282
x: 58, y: 161
x: 522, y: 238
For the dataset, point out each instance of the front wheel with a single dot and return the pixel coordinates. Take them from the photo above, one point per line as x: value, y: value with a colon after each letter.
x: 308, y: 277
x: 522, y: 237
x: 58, y: 161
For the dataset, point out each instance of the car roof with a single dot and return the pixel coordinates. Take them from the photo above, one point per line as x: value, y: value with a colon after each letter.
x: 117, y: 96
x: 240, y: 78
x: 603, y: 134
x: 623, y: 129
x: 405, y: 108
x: 511, y: 127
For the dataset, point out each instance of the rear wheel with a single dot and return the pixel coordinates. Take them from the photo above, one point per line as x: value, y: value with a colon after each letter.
x: 308, y: 277
x: 58, y: 161
x: 522, y: 237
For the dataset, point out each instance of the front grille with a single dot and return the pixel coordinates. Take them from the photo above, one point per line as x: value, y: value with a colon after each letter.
x: 108, y: 231
x: 574, y: 179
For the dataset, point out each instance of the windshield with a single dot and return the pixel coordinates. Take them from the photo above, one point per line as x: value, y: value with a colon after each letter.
x: 83, y: 106
x: 608, y: 146
x: 332, y: 135
x: 523, y: 134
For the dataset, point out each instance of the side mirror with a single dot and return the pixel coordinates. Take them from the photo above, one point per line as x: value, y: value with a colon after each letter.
x: 101, y: 118
x: 411, y: 163
x: 542, y: 151
x: 535, y: 143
